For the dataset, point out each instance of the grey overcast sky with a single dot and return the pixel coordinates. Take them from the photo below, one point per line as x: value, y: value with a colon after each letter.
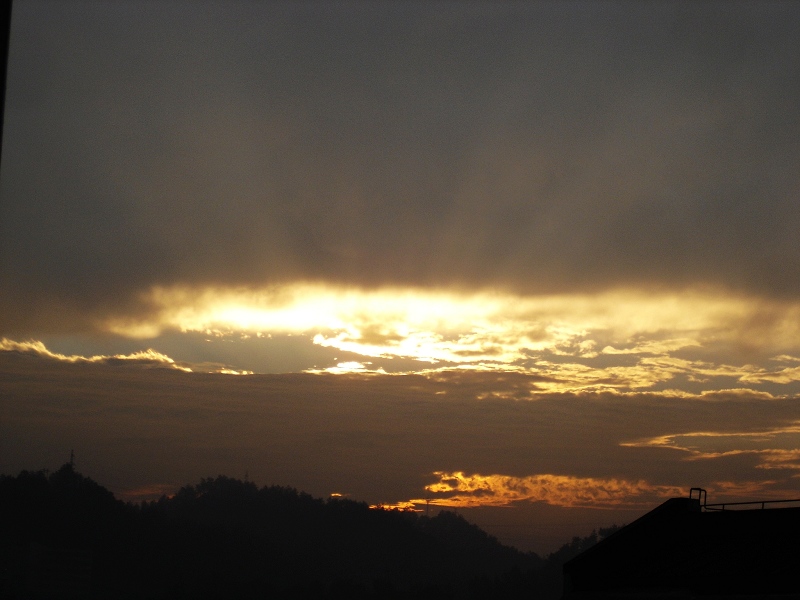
x: 536, y: 206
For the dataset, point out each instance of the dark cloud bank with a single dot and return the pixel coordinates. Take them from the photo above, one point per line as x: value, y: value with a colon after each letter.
x: 538, y: 147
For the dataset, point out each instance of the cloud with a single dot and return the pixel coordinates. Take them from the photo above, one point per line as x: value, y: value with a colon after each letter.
x: 537, y: 149
x: 690, y: 339
x: 786, y: 375
x: 653, y: 346
x: 558, y: 490
x: 146, y: 358
x: 471, y: 324
x: 142, y: 359
x: 555, y: 227
x: 379, y: 437
x: 774, y: 448
x: 401, y: 506
x: 650, y: 341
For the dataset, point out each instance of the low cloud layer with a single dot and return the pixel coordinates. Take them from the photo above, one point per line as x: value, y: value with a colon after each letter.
x: 774, y: 448
x: 387, y: 439
x: 148, y: 359
x: 145, y: 358
x: 460, y: 490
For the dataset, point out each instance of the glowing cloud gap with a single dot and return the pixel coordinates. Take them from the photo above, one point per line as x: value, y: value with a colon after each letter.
x: 303, y: 307
x: 621, y: 339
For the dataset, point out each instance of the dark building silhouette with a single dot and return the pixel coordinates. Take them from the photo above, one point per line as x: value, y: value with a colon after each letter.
x: 686, y: 548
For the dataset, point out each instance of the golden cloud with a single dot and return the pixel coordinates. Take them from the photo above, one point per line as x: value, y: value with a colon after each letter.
x: 623, y: 339
x: 395, y: 314
x: 401, y: 506
x: 147, y: 357
x: 462, y: 490
x: 143, y: 359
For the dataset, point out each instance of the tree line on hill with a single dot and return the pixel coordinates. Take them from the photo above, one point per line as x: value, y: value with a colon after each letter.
x: 63, y: 535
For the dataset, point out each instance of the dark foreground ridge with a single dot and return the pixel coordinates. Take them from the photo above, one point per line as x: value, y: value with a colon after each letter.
x: 64, y: 536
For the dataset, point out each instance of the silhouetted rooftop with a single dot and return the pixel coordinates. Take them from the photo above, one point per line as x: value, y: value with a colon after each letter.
x: 686, y: 548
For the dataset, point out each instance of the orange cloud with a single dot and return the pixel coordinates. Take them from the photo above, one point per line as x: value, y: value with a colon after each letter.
x: 463, y: 490
x: 407, y: 506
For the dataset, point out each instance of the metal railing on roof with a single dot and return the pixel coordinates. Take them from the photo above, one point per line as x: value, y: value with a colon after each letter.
x: 702, y: 498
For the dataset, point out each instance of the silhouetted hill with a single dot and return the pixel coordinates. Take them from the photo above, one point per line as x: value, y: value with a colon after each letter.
x: 320, y: 543
x: 65, y: 536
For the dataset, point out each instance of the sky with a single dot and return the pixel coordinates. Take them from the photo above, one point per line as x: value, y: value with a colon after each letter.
x: 536, y: 262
